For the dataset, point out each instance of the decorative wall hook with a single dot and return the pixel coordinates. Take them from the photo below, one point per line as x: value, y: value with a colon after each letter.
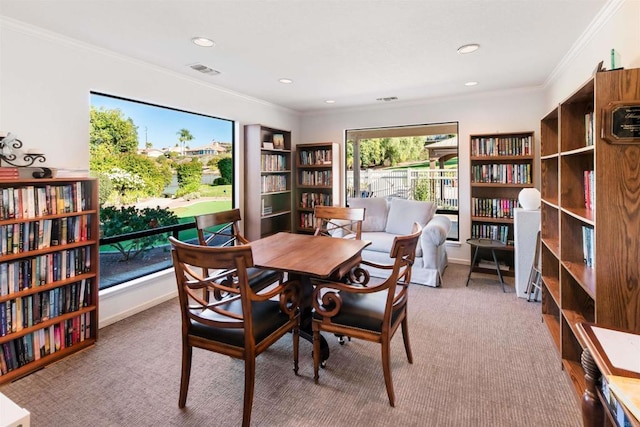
x: 9, y: 143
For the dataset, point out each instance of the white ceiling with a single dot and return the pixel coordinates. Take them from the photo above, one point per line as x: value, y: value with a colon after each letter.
x: 351, y: 51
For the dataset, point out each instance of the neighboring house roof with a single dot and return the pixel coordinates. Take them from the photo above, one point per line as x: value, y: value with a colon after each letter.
x: 214, y: 148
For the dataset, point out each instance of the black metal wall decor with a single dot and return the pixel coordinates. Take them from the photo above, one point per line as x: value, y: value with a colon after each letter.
x: 8, y: 144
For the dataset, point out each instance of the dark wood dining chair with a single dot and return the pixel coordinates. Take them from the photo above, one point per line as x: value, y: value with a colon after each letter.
x: 371, y: 313
x: 243, y: 323
x: 337, y: 221
x: 223, y: 229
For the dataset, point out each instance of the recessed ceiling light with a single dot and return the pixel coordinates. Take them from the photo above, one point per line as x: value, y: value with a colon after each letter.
x: 286, y: 81
x: 471, y: 83
x: 203, y: 42
x: 330, y: 101
x: 468, y: 48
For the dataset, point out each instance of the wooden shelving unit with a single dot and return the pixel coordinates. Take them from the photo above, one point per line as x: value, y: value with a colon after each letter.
x: 49, y: 231
x: 501, y: 166
x: 578, y: 286
x: 267, y: 196
x: 316, y: 171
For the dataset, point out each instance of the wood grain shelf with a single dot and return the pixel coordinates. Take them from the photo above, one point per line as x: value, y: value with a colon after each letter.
x: 599, y: 293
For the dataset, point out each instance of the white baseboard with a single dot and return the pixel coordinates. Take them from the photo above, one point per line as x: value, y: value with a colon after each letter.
x: 127, y: 299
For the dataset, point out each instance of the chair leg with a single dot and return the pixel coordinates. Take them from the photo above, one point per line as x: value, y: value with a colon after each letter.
x: 249, y: 383
x: 187, y: 351
x: 316, y: 354
x: 405, y: 338
x: 296, y: 345
x: 386, y: 369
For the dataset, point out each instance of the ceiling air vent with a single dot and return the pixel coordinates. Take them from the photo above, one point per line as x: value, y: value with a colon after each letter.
x: 387, y: 98
x: 204, y: 69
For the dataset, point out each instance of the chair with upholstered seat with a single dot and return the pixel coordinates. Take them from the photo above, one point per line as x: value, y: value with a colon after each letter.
x: 242, y: 324
x: 222, y: 229
x: 337, y: 221
x: 372, y: 313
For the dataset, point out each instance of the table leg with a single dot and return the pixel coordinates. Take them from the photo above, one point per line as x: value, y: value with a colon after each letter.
x: 495, y: 259
x: 306, y: 316
x: 473, y: 263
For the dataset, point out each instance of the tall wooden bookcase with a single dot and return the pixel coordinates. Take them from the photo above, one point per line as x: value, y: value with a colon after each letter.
x: 268, y: 184
x: 49, y: 231
x: 501, y: 166
x: 316, y: 173
x: 590, y: 216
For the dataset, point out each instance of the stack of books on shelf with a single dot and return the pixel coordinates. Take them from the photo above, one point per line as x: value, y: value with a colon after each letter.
x: 589, y: 128
x: 587, y: 246
x: 8, y: 173
x: 503, y: 146
x: 490, y: 231
x: 493, y: 208
x: 311, y: 200
x: 589, y: 191
x: 315, y: 157
x: 518, y: 173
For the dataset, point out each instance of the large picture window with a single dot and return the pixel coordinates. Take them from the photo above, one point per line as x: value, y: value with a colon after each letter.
x: 417, y: 162
x: 157, y: 167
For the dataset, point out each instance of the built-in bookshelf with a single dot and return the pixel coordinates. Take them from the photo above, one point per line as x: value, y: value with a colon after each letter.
x: 501, y: 166
x: 268, y: 183
x: 316, y: 171
x: 590, y: 227
x: 49, y: 231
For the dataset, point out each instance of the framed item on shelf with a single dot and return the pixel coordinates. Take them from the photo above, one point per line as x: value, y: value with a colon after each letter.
x: 267, y: 145
x: 621, y: 122
x: 278, y: 141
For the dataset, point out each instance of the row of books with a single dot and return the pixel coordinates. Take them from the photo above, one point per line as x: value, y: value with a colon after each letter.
x: 490, y: 231
x: 273, y: 163
x: 37, y: 201
x: 589, y: 191
x: 588, y: 249
x: 320, y: 178
x: 24, y: 312
x: 311, y: 200
x: 493, y: 208
x: 589, y: 129
x: 503, y: 146
x: 272, y: 183
x: 35, y: 235
x: 517, y: 173
x: 44, y: 269
x: 315, y: 157
x: 43, y: 342
x: 307, y: 220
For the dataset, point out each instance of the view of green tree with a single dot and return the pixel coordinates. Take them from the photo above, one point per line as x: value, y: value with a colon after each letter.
x: 225, y: 166
x: 379, y: 152
x: 114, y: 157
x: 189, y: 177
x: 109, y: 128
x: 117, y: 221
x: 184, y: 136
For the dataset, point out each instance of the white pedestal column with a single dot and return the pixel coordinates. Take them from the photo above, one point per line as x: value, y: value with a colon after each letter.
x: 526, y: 226
x: 11, y: 415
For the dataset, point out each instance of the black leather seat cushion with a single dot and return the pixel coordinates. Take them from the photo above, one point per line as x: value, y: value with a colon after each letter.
x: 260, y: 278
x: 267, y: 318
x: 363, y: 311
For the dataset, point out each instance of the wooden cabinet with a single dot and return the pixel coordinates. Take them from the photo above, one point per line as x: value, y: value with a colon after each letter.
x: 267, y: 174
x: 501, y: 166
x: 316, y: 173
x: 589, y: 214
x: 49, y: 231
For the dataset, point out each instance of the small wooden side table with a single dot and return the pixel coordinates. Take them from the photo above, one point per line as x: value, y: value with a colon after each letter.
x: 490, y: 244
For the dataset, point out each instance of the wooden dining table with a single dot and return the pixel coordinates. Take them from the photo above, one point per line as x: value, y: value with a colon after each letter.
x: 304, y: 257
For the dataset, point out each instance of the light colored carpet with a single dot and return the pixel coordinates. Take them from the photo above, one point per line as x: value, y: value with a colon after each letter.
x: 481, y: 358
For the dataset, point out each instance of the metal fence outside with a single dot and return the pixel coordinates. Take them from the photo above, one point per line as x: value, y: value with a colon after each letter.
x: 436, y: 185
